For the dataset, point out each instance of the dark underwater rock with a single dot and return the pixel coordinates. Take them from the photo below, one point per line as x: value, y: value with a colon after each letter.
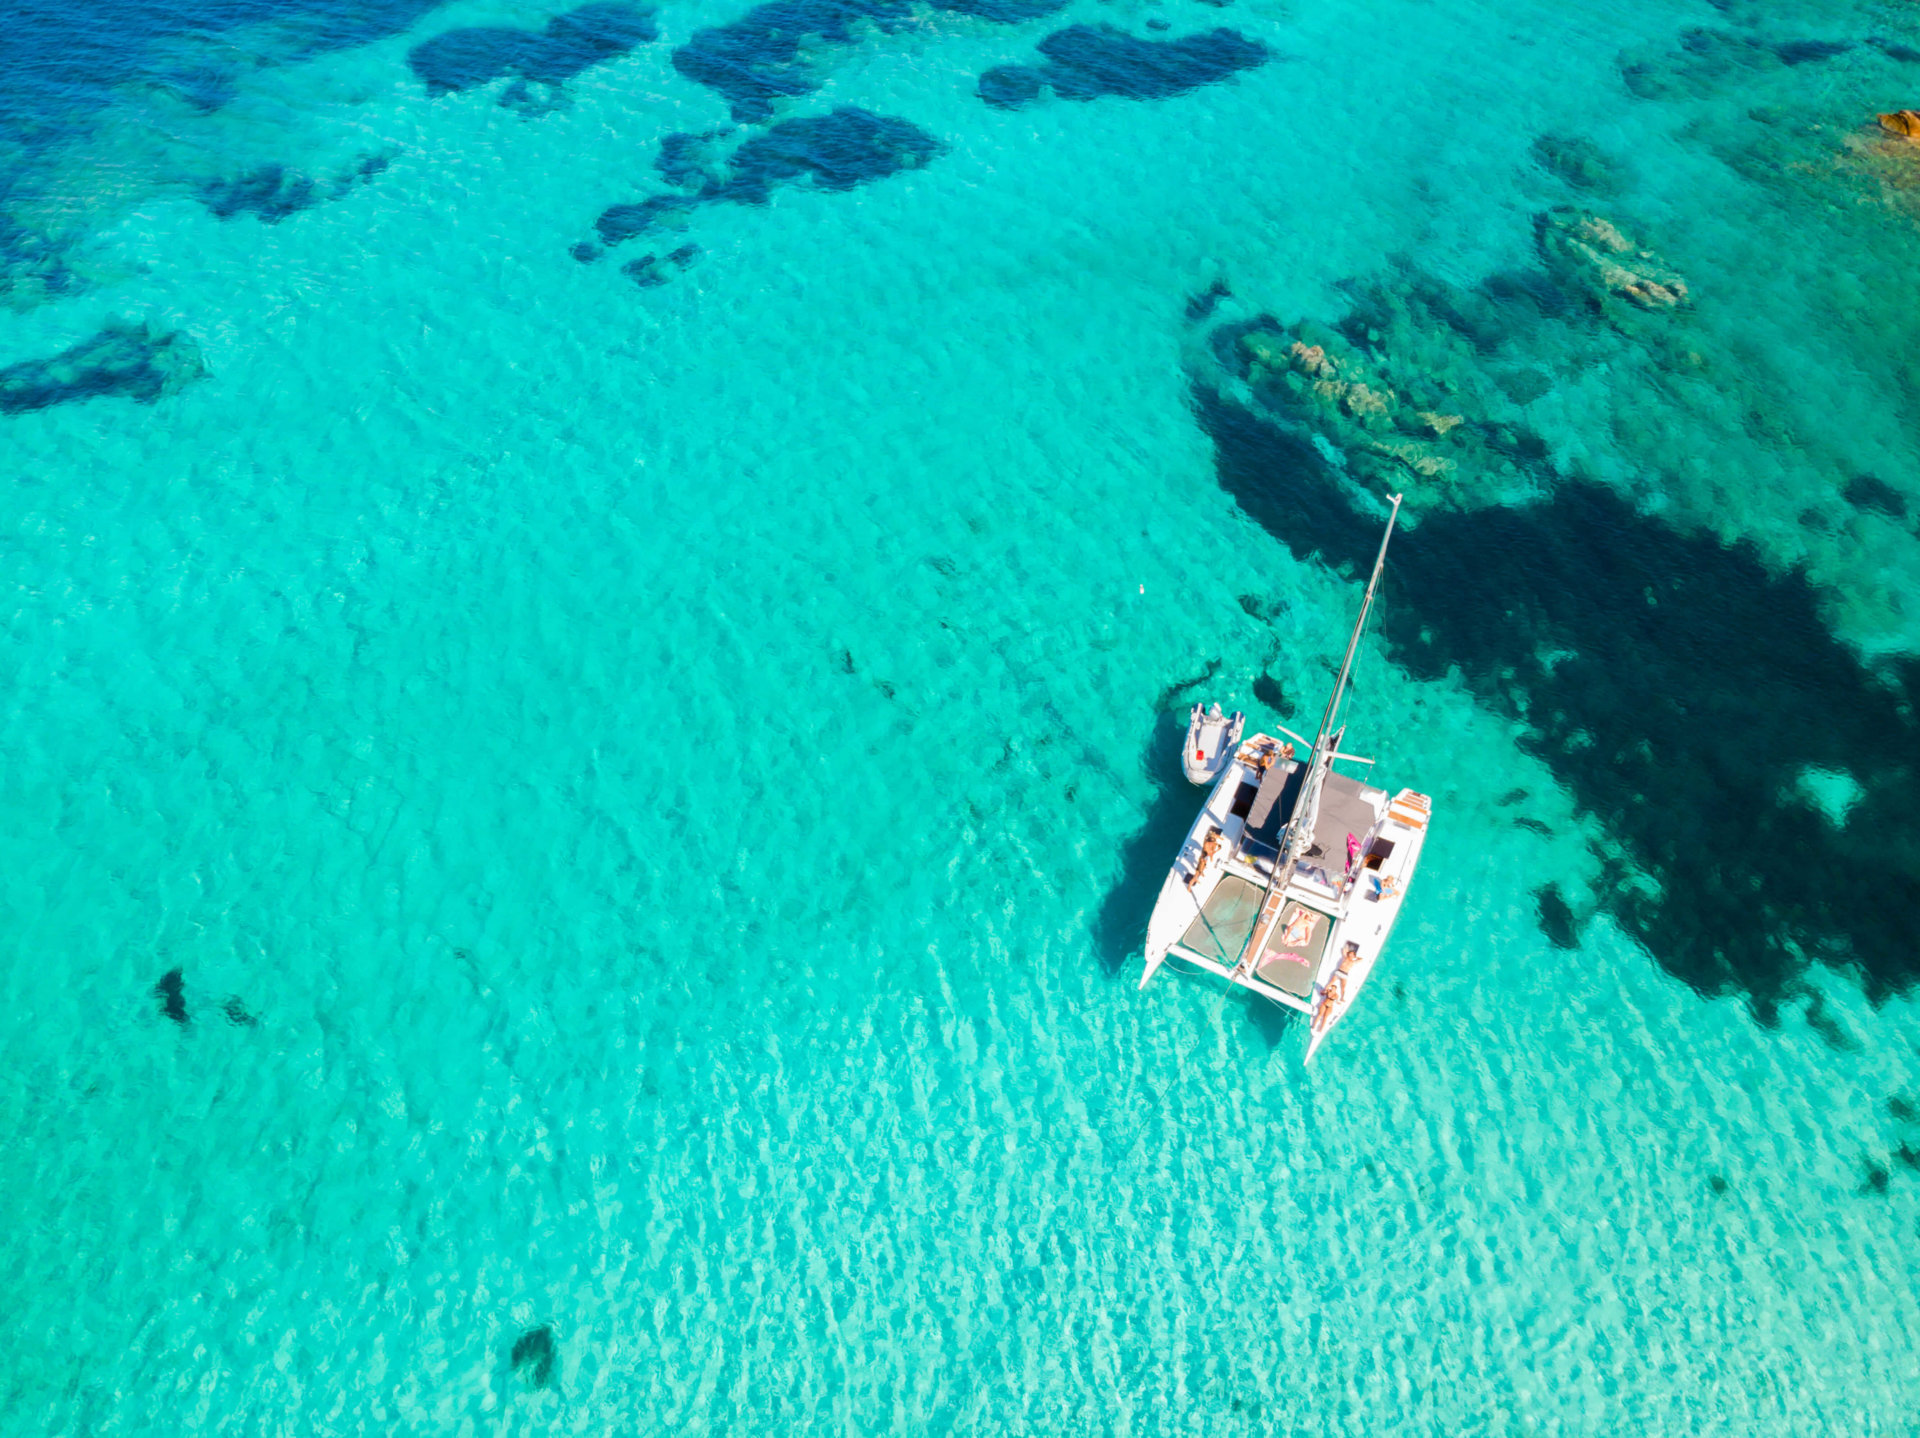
x: 688, y: 161
x: 1085, y: 62
x: 1894, y: 50
x: 837, y: 151
x: 1579, y: 162
x: 1007, y: 86
x: 1202, y: 305
x: 756, y: 60
x: 237, y: 1014
x: 1707, y: 61
x: 623, y: 222
x: 171, y: 991
x: 273, y: 192
x: 570, y: 43
x: 650, y: 271
x: 1810, y: 52
x: 33, y: 266
x: 135, y: 361
x: 1876, y: 496
x: 1556, y: 916
x: 1269, y: 692
x: 773, y: 51
x: 534, y: 1355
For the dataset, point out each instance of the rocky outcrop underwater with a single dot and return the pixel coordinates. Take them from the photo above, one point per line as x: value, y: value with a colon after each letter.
x: 1422, y: 389
x: 135, y: 361
x: 1086, y: 62
x: 841, y: 150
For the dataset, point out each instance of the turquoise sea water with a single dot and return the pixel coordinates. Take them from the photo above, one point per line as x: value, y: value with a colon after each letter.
x: 543, y: 798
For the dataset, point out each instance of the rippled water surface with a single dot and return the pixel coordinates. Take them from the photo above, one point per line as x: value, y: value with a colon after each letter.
x: 600, y: 604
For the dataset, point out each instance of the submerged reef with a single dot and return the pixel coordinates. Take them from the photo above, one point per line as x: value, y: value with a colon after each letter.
x: 136, y: 361
x: 1579, y: 162
x: 171, y: 992
x: 34, y: 266
x: 1707, y: 60
x: 1598, y: 257
x: 273, y: 192
x: 771, y: 52
x: 1085, y: 62
x: 570, y: 43
x: 1334, y: 391
x: 651, y: 271
x: 837, y: 151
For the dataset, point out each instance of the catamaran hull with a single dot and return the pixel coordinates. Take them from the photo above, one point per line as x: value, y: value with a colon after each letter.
x: 1369, y: 927
x: 1180, y: 902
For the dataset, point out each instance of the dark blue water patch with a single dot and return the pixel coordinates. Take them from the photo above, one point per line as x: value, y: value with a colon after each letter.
x: 1556, y: 916
x: 138, y: 362
x: 1874, y: 495
x: 1706, y: 61
x: 837, y: 151
x: 690, y: 161
x: 773, y: 52
x: 1085, y: 62
x: 1894, y: 50
x: 1678, y: 690
x: 1577, y: 161
x: 569, y: 44
x: 171, y: 991
x: 1201, y: 306
x: 273, y: 192
x: 33, y: 266
x: 618, y: 223
x: 1271, y: 692
x: 756, y: 60
x: 651, y: 271
x: 533, y: 1356
x: 1120, y: 923
x: 237, y: 1014
x: 1811, y: 52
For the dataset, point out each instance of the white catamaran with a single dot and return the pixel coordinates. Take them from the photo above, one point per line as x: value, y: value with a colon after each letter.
x: 1291, y: 878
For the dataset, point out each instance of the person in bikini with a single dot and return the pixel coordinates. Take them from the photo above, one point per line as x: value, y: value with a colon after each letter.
x: 1207, y: 851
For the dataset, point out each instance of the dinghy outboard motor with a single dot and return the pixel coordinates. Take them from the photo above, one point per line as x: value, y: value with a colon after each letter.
x: 1211, y: 739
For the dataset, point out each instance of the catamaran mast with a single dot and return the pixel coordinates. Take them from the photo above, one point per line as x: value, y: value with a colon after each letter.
x: 1326, y: 744
x: 1326, y: 748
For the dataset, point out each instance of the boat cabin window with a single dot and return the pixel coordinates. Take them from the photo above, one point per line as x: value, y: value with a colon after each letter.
x: 1243, y: 800
x: 1377, y: 851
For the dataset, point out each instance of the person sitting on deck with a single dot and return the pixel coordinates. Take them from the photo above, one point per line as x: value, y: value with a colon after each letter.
x: 1207, y: 851
x: 1335, y: 995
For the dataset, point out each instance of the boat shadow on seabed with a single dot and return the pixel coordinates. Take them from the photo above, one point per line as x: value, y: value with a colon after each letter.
x: 1122, y: 917
x: 1680, y: 692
